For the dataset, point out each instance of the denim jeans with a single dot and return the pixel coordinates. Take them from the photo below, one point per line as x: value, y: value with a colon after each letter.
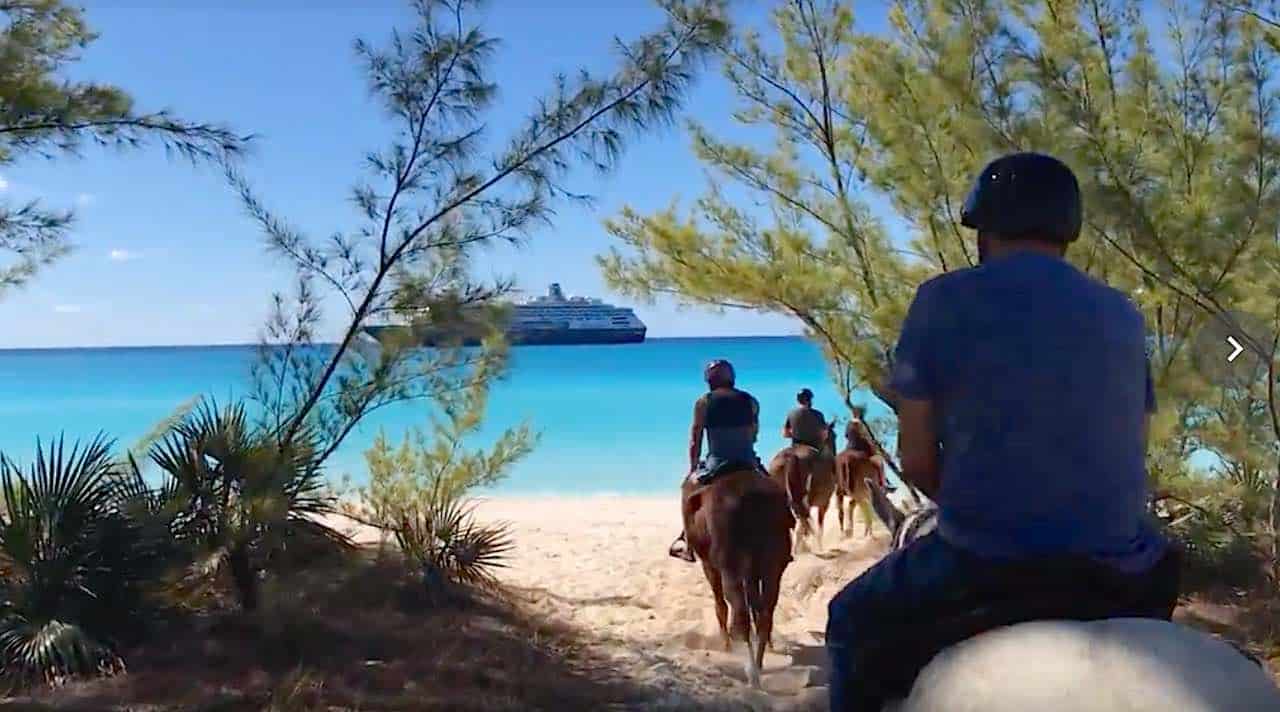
x: 886, y: 625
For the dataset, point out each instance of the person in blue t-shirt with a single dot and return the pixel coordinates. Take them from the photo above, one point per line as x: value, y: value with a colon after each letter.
x: 1023, y: 397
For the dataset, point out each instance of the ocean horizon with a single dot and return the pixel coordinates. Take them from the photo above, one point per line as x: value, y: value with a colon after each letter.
x: 614, y: 419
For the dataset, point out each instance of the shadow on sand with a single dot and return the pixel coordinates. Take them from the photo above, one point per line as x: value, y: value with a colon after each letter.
x: 355, y: 636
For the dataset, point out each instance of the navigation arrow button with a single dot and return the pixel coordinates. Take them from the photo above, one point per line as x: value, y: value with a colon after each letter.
x: 1236, y: 350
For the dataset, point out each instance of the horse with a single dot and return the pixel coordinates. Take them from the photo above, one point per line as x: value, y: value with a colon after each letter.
x: 1135, y: 664
x: 853, y: 467
x: 809, y: 478
x: 739, y: 527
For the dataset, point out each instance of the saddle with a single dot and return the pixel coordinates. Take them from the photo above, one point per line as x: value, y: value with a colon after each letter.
x: 708, y: 474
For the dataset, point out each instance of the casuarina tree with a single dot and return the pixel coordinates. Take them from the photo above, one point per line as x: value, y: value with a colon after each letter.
x: 1170, y: 126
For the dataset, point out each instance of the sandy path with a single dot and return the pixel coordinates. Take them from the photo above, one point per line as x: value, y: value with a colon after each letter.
x: 600, y: 563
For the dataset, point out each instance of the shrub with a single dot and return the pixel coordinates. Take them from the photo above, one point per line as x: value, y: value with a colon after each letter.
x: 242, y: 497
x: 76, y: 554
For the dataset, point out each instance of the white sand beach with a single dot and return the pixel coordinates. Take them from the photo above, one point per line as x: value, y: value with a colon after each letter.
x: 600, y: 563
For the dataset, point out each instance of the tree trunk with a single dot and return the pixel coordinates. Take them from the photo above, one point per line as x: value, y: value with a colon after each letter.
x: 244, y: 578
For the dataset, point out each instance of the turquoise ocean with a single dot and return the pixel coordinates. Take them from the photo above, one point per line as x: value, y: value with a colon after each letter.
x: 613, y: 419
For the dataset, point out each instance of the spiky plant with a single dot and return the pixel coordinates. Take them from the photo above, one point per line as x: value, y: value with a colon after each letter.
x: 443, y: 540
x: 73, y: 562
x: 243, y: 495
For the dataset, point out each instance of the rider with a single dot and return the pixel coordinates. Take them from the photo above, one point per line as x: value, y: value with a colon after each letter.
x: 730, y: 418
x: 1023, y: 397
x: 862, y: 444
x: 805, y: 425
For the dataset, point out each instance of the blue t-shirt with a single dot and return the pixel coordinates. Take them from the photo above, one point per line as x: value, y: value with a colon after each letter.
x: 1039, y: 378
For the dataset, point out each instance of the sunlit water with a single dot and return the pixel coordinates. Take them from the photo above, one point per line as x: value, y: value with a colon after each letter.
x: 612, y: 418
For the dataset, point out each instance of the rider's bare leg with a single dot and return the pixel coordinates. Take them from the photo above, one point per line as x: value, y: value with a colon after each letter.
x: 680, y: 548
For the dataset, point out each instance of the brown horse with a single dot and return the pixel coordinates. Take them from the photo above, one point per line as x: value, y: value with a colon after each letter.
x: 809, y: 477
x: 853, y: 469
x: 739, y: 527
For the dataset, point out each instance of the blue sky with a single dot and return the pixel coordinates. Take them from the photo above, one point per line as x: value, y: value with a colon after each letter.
x: 165, y: 254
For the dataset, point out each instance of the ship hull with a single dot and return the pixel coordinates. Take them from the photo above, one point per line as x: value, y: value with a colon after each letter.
x: 535, y: 337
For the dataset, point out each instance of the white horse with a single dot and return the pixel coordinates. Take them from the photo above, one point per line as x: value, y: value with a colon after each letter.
x: 1129, y: 664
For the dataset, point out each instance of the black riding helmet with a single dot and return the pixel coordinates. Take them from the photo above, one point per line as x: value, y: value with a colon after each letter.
x: 719, y: 374
x: 1025, y: 195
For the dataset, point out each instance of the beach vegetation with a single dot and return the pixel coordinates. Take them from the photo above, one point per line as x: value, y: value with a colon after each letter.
x: 867, y: 146
x: 239, y: 500
x: 43, y: 114
x: 78, y: 557
x: 420, y: 492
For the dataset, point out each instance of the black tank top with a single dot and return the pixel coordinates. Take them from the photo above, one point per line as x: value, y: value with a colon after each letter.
x: 730, y: 408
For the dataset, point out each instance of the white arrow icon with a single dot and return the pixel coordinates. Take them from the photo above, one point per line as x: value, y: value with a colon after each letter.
x: 1236, y: 350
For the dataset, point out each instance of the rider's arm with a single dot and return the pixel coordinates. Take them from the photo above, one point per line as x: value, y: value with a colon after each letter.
x: 918, y: 445
x: 915, y: 387
x: 755, y: 419
x: 786, y: 427
x: 695, y: 433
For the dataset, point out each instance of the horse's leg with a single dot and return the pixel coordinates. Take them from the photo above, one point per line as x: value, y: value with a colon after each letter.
x: 840, y: 510
x: 868, y: 519
x: 770, y: 586
x: 797, y: 498
x: 822, y: 517
x: 735, y: 590
x: 877, y: 471
x: 722, y: 609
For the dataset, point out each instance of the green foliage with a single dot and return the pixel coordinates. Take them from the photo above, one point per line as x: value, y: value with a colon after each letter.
x: 42, y: 114
x: 1219, y: 526
x: 418, y: 491
x: 75, y: 559
x: 240, y: 496
x: 1177, y: 155
x: 433, y: 196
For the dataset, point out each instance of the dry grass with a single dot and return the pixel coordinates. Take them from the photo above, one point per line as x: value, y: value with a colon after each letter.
x: 354, y: 636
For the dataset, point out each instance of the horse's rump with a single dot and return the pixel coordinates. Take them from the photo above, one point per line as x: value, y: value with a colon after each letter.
x: 789, y: 470
x: 746, y: 519
x: 853, y: 468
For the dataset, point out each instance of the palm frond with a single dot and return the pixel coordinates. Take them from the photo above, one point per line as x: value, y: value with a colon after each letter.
x: 51, y: 651
x: 241, y: 491
x: 444, y: 537
x: 72, y: 559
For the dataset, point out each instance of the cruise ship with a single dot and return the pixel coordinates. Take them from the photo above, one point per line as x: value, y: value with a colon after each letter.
x: 548, y: 319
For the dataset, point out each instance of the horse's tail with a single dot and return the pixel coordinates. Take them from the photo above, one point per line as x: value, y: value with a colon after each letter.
x: 758, y: 527
x: 748, y: 533
x: 796, y: 479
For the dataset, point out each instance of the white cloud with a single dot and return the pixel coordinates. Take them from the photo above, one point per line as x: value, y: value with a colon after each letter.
x: 68, y: 309
x: 119, y: 255
x: 84, y: 199
x: 4, y: 184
